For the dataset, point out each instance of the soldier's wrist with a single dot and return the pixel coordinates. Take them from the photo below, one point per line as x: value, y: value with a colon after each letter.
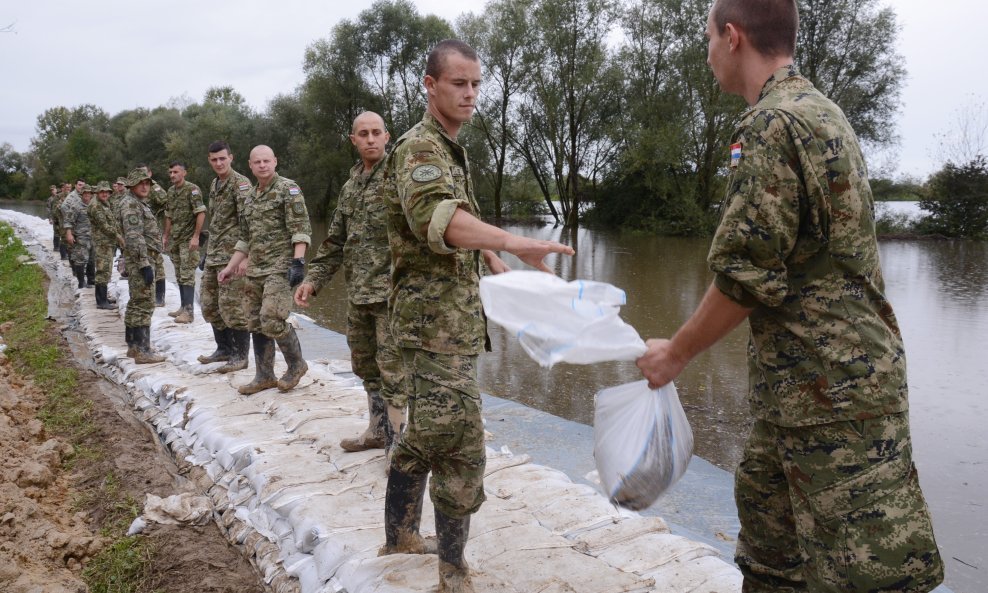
x: 298, y: 260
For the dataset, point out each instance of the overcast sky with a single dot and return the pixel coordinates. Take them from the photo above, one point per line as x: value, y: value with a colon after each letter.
x: 121, y: 55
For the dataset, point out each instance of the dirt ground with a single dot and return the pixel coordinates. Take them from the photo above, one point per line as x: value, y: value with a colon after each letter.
x: 51, y: 517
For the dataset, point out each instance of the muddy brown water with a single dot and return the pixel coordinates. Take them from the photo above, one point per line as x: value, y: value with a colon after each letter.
x: 939, y: 290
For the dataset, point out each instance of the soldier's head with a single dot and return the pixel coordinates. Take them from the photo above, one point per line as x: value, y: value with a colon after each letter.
x: 103, y: 191
x: 220, y: 158
x: 139, y: 182
x: 53, y: 189
x: 177, y: 172
x: 746, y: 38
x: 452, y: 83
x: 79, y: 184
x: 263, y: 164
x: 370, y: 137
x: 86, y: 193
x: 66, y: 186
x: 119, y: 185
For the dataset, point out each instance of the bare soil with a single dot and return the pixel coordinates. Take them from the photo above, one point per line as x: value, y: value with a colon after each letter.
x: 52, y: 517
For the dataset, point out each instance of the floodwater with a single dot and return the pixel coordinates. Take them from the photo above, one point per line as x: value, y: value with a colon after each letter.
x: 939, y: 290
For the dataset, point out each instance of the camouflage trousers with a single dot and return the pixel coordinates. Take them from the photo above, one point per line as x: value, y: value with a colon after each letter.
x: 222, y: 304
x: 140, y: 307
x: 267, y: 303
x: 185, y: 261
x: 445, y: 432
x: 834, y: 508
x: 104, y: 250
x: 373, y: 352
x: 159, y: 267
x: 80, y: 250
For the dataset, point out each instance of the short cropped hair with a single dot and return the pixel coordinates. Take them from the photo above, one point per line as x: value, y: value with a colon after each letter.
x: 218, y: 146
x: 437, y: 57
x: 177, y: 164
x: 771, y: 25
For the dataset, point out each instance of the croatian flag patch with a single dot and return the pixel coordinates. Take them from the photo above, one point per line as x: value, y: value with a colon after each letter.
x: 294, y: 191
x: 244, y: 186
x: 735, y: 154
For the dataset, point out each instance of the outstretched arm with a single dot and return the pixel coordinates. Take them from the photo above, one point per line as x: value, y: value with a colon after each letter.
x: 469, y: 232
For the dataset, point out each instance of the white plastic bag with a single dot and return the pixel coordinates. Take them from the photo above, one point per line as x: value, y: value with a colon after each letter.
x: 642, y: 442
x: 559, y: 321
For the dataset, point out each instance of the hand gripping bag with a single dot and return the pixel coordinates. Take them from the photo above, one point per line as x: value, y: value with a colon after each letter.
x: 642, y: 442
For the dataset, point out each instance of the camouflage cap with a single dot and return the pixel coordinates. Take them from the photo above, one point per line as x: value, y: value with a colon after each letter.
x: 87, y: 189
x: 103, y: 186
x: 136, y: 176
x: 121, y: 180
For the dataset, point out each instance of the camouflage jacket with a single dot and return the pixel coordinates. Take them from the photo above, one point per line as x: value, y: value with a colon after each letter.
x: 357, y: 240
x: 74, y: 216
x: 226, y: 202
x: 182, y: 206
x: 435, y: 301
x: 142, y: 237
x: 105, y: 220
x: 49, y: 205
x: 158, y: 202
x: 796, y: 242
x: 272, y: 222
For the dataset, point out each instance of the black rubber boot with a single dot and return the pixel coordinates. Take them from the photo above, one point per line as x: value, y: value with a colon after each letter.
x: 56, y: 242
x: 145, y: 354
x: 403, y: 513
x: 264, y: 360
x: 132, y: 350
x: 297, y: 367
x: 239, y: 341
x: 223, y: 346
x: 159, y: 293
x: 63, y: 251
x: 452, y: 533
x: 91, y: 273
x: 102, y: 301
x: 80, y: 275
x: 376, y: 436
x: 186, y: 312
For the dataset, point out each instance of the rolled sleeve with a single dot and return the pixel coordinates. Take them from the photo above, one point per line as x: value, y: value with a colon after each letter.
x: 242, y: 246
x: 441, y: 217
x: 301, y: 238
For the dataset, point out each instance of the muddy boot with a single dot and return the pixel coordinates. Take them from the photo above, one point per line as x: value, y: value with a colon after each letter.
x: 264, y: 360
x: 91, y: 273
x: 393, y: 429
x: 375, y: 437
x: 145, y: 354
x: 102, y: 301
x: 159, y: 293
x: 223, y: 347
x: 63, y: 251
x: 80, y: 275
x: 297, y: 367
x: 239, y: 340
x: 186, y: 314
x: 132, y: 350
x: 402, y: 514
x: 454, y: 574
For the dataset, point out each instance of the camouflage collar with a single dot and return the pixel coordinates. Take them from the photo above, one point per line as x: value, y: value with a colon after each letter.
x: 357, y: 171
x: 778, y: 76
x: 430, y: 120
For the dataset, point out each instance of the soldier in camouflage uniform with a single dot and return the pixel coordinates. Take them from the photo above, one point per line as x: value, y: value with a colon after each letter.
x: 223, y: 304
x: 158, y: 202
x: 184, y: 217
x: 358, y: 241
x: 274, y: 234
x: 142, y: 243
x: 437, y: 247
x: 827, y: 493
x: 78, y: 233
x: 107, y: 236
x: 52, y: 203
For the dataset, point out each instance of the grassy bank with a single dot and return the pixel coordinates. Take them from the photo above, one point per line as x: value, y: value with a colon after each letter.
x: 37, y: 351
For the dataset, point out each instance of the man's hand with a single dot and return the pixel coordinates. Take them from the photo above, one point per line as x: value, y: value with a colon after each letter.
x: 494, y: 263
x: 242, y: 268
x: 303, y: 292
x: 194, y: 243
x: 69, y: 238
x: 164, y: 242
x: 148, y: 273
x: 296, y: 273
x: 660, y: 364
x: 534, y: 251
x: 224, y: 275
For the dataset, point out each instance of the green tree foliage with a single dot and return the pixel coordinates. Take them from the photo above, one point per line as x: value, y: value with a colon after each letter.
x: 957, y: 201
x: 13, y: 172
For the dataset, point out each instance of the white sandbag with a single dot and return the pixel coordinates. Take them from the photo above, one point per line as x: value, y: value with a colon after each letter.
x: 642, y: 442
x: 559, y: 321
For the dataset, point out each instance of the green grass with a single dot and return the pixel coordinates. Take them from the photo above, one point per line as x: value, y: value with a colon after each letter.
x: 36, y: 352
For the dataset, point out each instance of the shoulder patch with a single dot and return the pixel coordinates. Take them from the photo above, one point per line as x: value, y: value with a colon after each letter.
x: 293, y: 190
x: 195, y: 192
x: 298, y: 207
x: 133, y: 220
x: 243, y: 186
x: 424, y: 173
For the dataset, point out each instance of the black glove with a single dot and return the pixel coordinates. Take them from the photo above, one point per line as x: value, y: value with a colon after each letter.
x: 148, y: 273
x: 296, y: 273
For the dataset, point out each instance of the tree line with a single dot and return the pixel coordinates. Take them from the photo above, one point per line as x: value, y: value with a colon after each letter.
x: 601, y: 111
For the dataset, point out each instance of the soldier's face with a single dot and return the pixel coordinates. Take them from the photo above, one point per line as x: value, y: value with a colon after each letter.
x: 86, y: 197
x: 103, y: 195
x: 177, y: 175
x: 117, y: 188
x: 142, y: 189
x: 370, y: 138
x: 66, y: 187
x: 263, y: 164
x: 220, y: 162
x: 79, y: 185
x: 454, y: 94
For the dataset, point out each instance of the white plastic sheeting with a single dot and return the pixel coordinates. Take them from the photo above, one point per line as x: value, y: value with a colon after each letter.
x: 310, y: 516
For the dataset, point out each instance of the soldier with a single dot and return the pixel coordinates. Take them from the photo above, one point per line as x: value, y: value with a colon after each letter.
x: 52, y: 203
x: 107, y: 236
x: 223, y: 304
x: 184, y: 217
x: 827, y: 493
x: 78, y: 232
x: 274, y: 234
x: 358, y: 240
x: 158, y: 201
x: 437, y: 245
x: 142, y: 243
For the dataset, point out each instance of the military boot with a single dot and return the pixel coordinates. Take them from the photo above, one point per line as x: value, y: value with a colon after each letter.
x: 63, y: 251
x: 375, y: 437
x: 146, y: 355
x: 131, y: 342
x: 239, y: 341
x: 402, y: 514
x: 264, y: 360
x: 223, y: 346
x: 297, y: 367
x: 80, y: 275
x: 91, y: 273
x: 102, y: 301
x: 159, y: 293
x: 454, y: 573
x: 186, y: 312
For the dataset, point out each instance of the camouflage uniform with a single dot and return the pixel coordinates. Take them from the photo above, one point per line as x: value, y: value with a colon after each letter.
x: 56, y: 217
x: 182, y: 206
x: 436, y: 318
x: 107, y: 235
x: 50, y: 206
x: 223, y: 304
x: 75, y: 219
x: 158, y: 202
x: 826, y: 491
x: 358, y: 241
x: 142, y: 244
x: 273, y: 220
